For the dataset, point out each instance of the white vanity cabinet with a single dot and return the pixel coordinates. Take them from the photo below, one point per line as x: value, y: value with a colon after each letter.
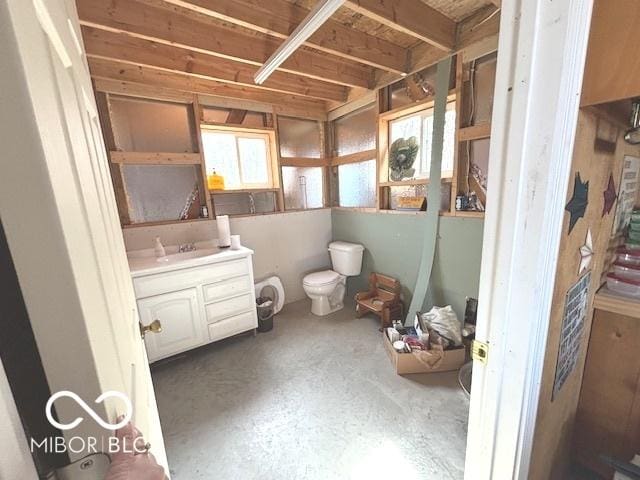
x: 180, y: 319
x: 196, y: 300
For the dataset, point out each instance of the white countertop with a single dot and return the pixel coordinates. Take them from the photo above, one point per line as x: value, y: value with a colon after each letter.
x: 144, y: 262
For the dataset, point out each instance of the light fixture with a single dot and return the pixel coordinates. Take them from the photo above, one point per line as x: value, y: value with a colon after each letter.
x: 312, y: 22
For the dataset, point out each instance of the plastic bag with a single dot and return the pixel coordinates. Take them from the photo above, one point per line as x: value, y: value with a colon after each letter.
x: 444, y: 321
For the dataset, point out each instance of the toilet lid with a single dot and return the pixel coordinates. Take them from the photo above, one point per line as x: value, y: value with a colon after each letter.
x: 321, y: 278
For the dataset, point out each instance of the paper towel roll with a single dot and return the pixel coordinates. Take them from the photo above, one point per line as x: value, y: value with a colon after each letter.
x: 224, y: 231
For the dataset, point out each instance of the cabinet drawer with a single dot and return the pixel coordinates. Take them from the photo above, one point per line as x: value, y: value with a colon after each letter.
x: 225, y: 308
x: 188, y: 277
x: 226, y: 288
x: 232, y: 325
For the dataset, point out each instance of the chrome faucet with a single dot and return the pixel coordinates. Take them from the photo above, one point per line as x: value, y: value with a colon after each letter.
x: 186, y: 247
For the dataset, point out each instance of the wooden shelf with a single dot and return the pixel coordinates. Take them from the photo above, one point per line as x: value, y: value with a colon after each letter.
x: 164, y: 222
x: 609, y: 301
x: 412, y: 182
x: 155, y: 158
x: 244, y: 190
x: 468, y: 214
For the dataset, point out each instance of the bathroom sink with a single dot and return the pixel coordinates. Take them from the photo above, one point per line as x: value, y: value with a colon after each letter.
x: 180, y: 256
x: 145, y: 263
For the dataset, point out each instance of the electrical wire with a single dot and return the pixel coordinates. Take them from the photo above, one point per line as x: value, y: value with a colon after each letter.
x: 472, y: 112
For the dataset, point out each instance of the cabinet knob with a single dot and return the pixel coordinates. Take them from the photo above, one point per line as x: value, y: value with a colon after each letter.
x: 154, y: 327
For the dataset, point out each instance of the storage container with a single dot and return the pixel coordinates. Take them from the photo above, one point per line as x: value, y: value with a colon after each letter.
x: 628, y: 257
x: 634, y: 235
x: 631, y: 272
x: 628, y: 288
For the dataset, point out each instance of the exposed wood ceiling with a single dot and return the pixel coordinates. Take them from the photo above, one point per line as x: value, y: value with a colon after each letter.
x: 214, y: 47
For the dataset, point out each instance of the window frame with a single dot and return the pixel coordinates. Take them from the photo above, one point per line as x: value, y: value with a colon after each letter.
x: 272, y: 158
x: 423, y: 113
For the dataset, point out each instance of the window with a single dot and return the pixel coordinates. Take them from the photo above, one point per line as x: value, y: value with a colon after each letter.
x: 242, y: 158
x: 302, y: 187
x: 357, y: 184
x: 410, y: 145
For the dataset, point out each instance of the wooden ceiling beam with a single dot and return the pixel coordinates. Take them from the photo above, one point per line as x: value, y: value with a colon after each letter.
x: 172, y: 26
x: 124, y: 72
x: 280, y: 18
x: 118, y: 46
x: 411, y: 17
x: 476, y: 36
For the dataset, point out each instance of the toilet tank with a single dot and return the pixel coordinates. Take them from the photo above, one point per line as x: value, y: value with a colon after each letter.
x: 346, y: 258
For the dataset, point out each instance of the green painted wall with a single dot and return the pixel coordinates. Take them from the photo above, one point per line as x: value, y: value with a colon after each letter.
x: 394, y: 244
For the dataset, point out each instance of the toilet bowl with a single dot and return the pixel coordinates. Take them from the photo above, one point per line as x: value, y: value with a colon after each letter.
x: 326, y: 288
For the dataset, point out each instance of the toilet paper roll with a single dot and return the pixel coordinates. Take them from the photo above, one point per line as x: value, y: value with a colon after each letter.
x: 235, y: 242
x: 224, y: 231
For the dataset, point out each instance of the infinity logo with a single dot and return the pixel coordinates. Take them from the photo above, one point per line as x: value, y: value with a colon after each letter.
x: 89, y: 410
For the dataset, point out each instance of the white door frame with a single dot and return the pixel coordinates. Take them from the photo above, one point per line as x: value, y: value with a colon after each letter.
x: 541, y: 57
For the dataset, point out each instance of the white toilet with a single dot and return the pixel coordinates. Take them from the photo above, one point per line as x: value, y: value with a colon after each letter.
x: 326, y: 289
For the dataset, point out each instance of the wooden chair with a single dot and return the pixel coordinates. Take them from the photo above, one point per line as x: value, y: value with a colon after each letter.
x: 382, y: 299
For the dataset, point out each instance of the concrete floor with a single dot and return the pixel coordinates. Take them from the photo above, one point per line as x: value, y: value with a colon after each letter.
x: 315, y: 398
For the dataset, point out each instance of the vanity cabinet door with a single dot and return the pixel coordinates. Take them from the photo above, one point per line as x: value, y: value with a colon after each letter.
x: 179, y: 316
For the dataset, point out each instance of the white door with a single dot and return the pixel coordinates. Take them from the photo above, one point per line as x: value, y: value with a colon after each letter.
x: 67, y: 245
x: 178, y: 314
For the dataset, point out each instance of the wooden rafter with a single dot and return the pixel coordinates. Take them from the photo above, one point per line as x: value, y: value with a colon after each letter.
x: 476, y: 36
x: 118, y: 46
x: 123, y: 72
x: 236, y: 116
x: 176, y: 27
x: 411, y: 17
x: 279, y: 18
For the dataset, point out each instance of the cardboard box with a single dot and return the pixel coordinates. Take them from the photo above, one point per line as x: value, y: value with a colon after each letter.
x: 406, y: 363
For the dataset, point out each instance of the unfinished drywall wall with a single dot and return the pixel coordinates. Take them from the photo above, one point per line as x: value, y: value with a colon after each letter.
x: 289, y: 245
x: 554, y: 426
x: 393, y: 244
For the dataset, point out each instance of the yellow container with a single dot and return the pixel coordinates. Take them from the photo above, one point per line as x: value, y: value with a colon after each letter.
x: 215, y: 181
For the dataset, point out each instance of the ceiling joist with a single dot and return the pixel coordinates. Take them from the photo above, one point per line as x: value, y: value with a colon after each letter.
x: 411, y: 17
x: 173, y: 27
x: 117, y: 46
x: 279, y: 18
x: 151, y: 77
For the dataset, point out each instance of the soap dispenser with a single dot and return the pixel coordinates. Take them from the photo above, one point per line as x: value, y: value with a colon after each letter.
x: 159, y: 249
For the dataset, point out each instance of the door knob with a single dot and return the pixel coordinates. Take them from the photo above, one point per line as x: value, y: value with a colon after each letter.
x: 154, y: 327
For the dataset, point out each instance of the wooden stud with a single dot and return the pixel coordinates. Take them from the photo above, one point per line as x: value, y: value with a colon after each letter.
x: 474, y: 132
x: 457, y: 145
x: 276, y: 149
x: 197, y: 118
x: 304, y: 162
x: 354, y: 157
x: 104, y: 115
